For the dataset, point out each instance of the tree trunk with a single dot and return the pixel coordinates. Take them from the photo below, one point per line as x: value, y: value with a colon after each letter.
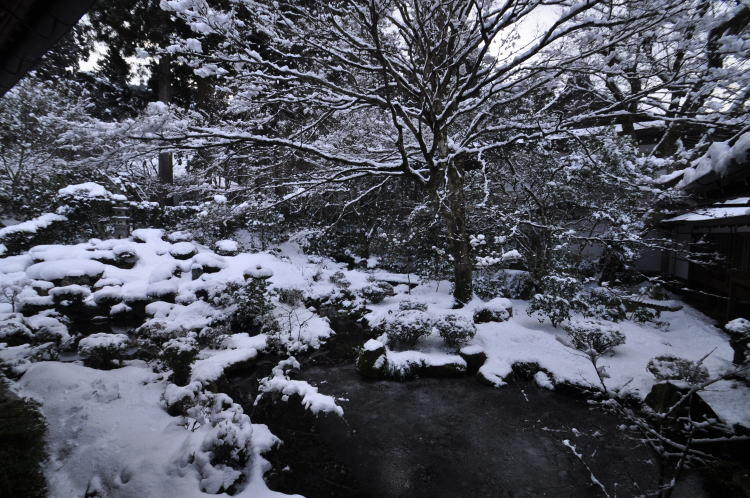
x: 454, y: 213
x: 166, y: 170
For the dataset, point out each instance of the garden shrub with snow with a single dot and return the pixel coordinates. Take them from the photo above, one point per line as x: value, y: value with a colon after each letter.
x: 290, y: 296
x: 674, y: 368
x: 178, y: 355
x: 339, y: 280
x: 405, y: 327
x: 456, y: 330
x: 558, y: 299
x: 279, y: 383
x: 410, y: 304
x: 103, y: 350
x: 498, y: 309
x: 252, y: 307
x: 375, y: 292
x: 13, y: 330
x: 603, y: 302
x: 593, y: 337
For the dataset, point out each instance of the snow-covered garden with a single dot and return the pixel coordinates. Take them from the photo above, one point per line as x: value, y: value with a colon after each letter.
x: 375, y: 248
x: 126, y: 344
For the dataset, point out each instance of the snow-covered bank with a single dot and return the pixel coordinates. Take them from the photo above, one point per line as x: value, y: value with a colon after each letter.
x: 107, y: 432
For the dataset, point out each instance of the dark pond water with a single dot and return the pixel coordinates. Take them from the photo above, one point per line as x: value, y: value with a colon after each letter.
x: 449, y: 437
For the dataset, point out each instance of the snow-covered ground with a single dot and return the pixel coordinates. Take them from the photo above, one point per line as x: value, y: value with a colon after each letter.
x: 110, y: 430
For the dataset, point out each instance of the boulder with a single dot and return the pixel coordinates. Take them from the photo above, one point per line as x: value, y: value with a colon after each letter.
x: 496, y: 310
x: 372, y: 362
x: 664, y: 395
x: 474, y: 358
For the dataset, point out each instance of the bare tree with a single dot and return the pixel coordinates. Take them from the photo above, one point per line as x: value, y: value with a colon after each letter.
x: 383, y: 88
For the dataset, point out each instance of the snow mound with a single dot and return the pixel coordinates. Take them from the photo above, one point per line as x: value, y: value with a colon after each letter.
x: 87, y: 189
x: 65, y: 268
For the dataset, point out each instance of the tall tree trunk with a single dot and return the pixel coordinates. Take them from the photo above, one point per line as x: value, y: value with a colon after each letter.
x: 454, y: 213
x: 166, y: 169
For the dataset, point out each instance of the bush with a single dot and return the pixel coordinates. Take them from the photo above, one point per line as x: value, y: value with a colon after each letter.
x: 408, y: 304
x: 456, y: 330
x: 406, y: 327
x: 675, y: 368
x: 252, y: 305
x: 514, y: 284
x: 375, y: 292
x: 340, y: 303
x: 13, y: 330
x: 290, y: 296
x: 558, y: 299
x: 178, y: 355
x: 214, y: 336
x: 496, y: 310
x: 593, y: 338
x: 339, y: 280
x: 604, y: 303
x: 642, y: 314
x: 102, y: 350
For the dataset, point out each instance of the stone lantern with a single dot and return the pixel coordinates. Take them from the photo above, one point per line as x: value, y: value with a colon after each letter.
x: 121, y: 221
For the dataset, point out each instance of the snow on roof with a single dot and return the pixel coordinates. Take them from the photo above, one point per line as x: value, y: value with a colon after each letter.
x: 710, y: 214
x: 718, y: 159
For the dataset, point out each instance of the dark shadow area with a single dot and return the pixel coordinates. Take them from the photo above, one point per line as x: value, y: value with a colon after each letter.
x: 22, y: 452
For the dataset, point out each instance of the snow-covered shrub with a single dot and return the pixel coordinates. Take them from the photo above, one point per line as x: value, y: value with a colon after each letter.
x: 340, y: 303
x: 410, y: 304
x: 70, y: 295
x: 456, y: 330
x: 514, y: 284
x: 102, y: 350
x: 252, y: 306
x: 376, y: 291
x: 406, y: 327
x: 41, y: 230
x: 214, y: 336
x: 558, y: 299
x: 13, y: 330
x: 604, y: 303
x: 339, y: 280
x: 644, y: 314
x: 593, y: 337
x: 496, y: 310
x: 290, y: 296
x: 280, y: 384
x: 675, y: 368
x: 657, y: 292
x: 226, y: 450
x: 229, y: 448
x: 11, y: 287
x: 153, y: 334
x: 178, y: 355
